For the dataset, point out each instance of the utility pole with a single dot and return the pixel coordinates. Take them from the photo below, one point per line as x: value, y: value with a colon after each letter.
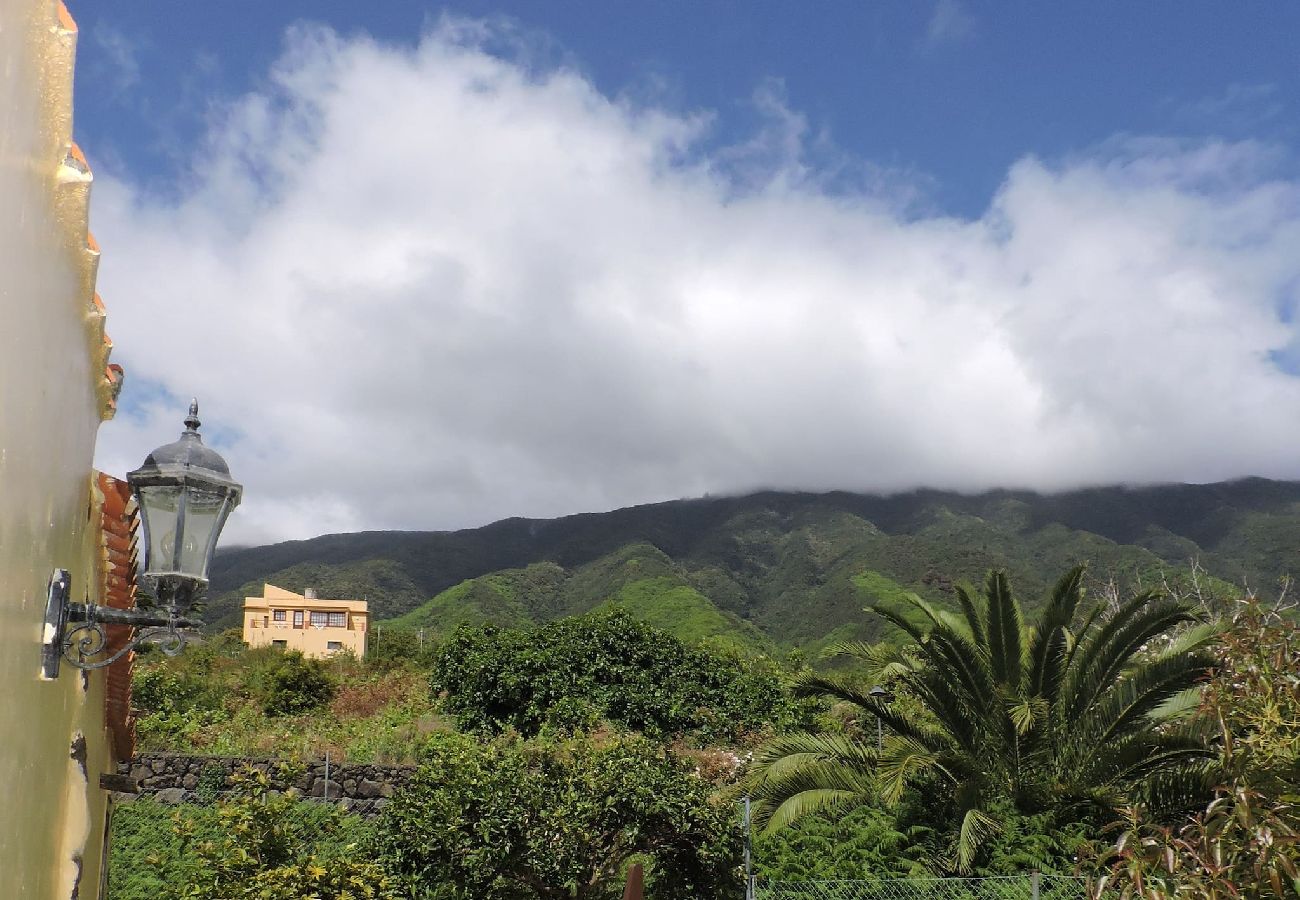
x: 749, y: 853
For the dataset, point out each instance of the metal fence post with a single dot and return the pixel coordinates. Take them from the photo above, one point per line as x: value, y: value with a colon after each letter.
x: 327, y: 774
x: 749, y: 868
x: 1034, y: 880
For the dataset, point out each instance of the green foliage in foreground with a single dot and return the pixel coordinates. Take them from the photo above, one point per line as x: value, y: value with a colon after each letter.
x: 993, y: 717
x: 606, y: 666
x: 510, y: 820
x: 1246, y: 842
x: 268, y: 850
x: 871, y: 842
x: 255, y: 845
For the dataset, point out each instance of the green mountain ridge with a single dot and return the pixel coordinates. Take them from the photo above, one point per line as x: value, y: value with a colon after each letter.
x: 781, y: 570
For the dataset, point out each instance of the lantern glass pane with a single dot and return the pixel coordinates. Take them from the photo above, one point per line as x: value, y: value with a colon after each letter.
x: 203, y: 512
x: 158, y: 503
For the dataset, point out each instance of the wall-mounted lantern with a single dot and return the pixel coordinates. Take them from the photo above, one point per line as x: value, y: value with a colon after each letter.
x: 184, y: 493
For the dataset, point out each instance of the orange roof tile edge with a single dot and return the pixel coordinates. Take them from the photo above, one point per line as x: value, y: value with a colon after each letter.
x: 65, y: 18
x: 117, y: 533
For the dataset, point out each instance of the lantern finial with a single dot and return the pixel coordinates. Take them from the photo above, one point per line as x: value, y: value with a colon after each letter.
x: 192, y: 422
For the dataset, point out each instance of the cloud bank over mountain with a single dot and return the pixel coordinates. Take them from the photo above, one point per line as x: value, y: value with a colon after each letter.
x: 435, y: 286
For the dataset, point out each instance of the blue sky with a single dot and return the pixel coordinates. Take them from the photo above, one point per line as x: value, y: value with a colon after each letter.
x: 952, y: 92
x: 755, y: 221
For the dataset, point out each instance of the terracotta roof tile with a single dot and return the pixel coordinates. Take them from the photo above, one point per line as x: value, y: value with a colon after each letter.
x: 118, y: 523
x: 65, y: 18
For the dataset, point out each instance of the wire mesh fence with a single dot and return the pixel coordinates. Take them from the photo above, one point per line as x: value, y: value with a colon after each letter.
x: 1016, y: 887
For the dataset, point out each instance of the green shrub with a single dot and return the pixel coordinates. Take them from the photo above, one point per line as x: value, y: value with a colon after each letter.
x: 572, y: 673
x: 292, y: 684
x: 271, y: 846
x: 514, y: 820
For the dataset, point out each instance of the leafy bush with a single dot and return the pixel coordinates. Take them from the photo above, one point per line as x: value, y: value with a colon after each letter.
x: 390, y: 648
x: 575, y: 672
x: 518, y: 820
x: 269, y: 847
x: 865, y: 843
x: 176, y: 701
x: 254, y: 845
x: 1246, y: 842
x: 292, y: 684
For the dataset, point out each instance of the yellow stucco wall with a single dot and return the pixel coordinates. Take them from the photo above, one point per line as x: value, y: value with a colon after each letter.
x: 261, y: 629
x: 53, y: 395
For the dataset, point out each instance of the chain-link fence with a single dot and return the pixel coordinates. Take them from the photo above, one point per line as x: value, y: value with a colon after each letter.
x: 1016, y: 887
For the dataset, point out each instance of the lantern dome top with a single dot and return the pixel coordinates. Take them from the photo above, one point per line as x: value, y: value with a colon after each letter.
x: 187, y: 450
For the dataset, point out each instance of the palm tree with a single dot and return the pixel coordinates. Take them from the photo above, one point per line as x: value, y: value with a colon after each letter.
x: 1063, y: 716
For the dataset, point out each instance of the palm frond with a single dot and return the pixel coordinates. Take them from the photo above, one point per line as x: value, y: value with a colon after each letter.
x: 1198, y: 637
x: 880, y: 662
x: 902, y: 761
x: 1128, y: 703
x: 1110, y: 649
x: 974, y: 615
x: 1005, y: 631
x: 813, y: 747
x: 1179, y: 706
x: 844, y: 690
x: 805, y: 803
x: 977, y: 827
x: 1051, y: 638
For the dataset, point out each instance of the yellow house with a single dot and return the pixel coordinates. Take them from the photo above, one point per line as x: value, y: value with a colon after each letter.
x: 305, y: 623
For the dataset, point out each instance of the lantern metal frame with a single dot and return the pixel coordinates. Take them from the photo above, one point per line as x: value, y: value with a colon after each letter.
x: 165, y: 592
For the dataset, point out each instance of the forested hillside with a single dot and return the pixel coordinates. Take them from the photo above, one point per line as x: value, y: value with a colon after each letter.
x: 781, y: 570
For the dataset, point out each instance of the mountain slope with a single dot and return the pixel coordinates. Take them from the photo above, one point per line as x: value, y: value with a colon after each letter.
x: 795, y: 567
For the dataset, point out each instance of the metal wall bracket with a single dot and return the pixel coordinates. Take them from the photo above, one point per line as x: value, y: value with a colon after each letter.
x: 81, y: 645
x: 56, y: 622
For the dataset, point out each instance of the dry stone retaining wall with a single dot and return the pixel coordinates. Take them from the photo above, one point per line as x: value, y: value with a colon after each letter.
x: 182, y: 778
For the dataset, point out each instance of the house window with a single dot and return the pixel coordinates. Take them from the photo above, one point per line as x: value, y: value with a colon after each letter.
x: 297, y: 618
x: 339, y: 620
x: 252, y: 622
x: 333, y: 645
x: 266, y: 621
x: 320, y: 619
x: 279, y: 615
x: 280, y: 644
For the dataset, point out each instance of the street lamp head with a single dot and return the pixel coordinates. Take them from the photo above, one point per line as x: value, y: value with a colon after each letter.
x: 185, y: 493
x: 881, y: 693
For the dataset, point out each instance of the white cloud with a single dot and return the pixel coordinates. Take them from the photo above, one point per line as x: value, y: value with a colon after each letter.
x: 950, y: 23
x: 121, y: 55
x: 432, y: 287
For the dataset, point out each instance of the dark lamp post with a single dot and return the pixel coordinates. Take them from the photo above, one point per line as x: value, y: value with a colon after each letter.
x: 184, y: 493
x: 884, y: 696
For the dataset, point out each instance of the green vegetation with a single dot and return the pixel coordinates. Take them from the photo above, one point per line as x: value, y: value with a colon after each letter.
x: 1152, y: 740
x: 223, y: 699
x: 1246, y: 841
x: 604, y: 667
x: 990, y: 716
x: 516, y: 820
x: 291, y: 684
x: 258, y: 845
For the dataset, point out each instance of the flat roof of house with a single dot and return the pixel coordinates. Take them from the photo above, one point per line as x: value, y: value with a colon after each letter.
x: 278, y: 596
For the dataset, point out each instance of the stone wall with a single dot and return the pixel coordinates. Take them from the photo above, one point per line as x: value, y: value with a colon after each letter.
x: 181, y: 778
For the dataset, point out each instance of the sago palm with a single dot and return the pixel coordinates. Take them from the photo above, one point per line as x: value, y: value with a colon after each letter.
x: 991, y: 712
